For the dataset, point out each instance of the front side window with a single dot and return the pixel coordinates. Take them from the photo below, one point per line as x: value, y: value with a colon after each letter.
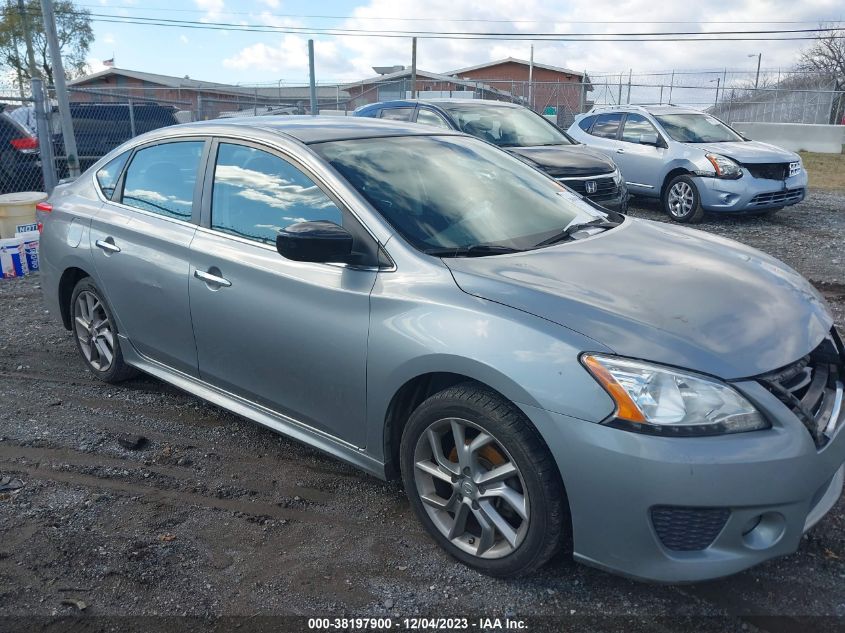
x: 108, y: 174
x: 506, y: 126
x: 455, y: 192
x: 256, y: 194
x: 397, y: 114
x: 607, y: 125
x: 697, y: 128
x: 161, y: 178
x: 636, y: 128
x: 427, y: 117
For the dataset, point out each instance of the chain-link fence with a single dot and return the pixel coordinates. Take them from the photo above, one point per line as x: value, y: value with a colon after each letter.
x: 104, y: 118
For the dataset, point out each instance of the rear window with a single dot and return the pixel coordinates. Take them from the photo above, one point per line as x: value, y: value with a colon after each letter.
x: 586, y: 123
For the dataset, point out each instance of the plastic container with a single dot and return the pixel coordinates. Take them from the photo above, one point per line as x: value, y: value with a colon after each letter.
x: 17, y: 212
x: 12, y: 258
x: 30, y: 241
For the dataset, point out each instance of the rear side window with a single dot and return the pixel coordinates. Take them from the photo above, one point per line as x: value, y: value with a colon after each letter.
x: 108, y: 174
x: 161, y: 178
x: 256, y: 194
x: 427, y: 117
x: 397, y: 114
x: 586, y: 123
x: 607, y: 125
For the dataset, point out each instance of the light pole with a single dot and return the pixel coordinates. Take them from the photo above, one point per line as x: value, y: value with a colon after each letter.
x: 759, y: 57
x: 718, y: 81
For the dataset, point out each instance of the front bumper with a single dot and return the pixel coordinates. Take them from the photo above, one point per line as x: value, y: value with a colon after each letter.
x: 749, y: 194
x: 616, y: 480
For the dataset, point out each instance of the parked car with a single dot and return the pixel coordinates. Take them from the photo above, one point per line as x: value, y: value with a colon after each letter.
x: 669, y: 400
x: 100, y: 127
x: 522, y: 132
x: 20, y: 160
x: 692, y: 161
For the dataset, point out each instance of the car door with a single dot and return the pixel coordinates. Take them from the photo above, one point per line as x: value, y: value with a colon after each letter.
x: 140, y: 240
x: 290, y: 336
x: 604, y: 133
x: 641, y: 155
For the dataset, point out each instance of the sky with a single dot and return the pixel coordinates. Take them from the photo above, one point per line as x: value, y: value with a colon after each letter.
x: 231, y: 56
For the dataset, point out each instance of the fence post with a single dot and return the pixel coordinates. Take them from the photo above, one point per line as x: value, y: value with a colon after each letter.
x: 630, y: 71
x: 45, y: 135
x: 132, y: 119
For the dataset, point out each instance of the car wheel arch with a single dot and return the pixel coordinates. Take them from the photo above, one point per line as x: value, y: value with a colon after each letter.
x: 70, y: 277
x: 673, y: 173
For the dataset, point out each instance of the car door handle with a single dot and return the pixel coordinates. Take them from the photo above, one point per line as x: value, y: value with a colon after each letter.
x: 108, y: 246
x: 620, y: 150
x: 212, y: 279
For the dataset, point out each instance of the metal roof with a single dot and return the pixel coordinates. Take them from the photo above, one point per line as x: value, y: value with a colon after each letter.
x: 514, y: 60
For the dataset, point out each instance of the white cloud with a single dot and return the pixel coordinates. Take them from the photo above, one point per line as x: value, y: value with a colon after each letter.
x: 184, y: 39
x: 213, y: 9
x: 108, y: 38
x: 273, y: 4
x: 288, y: 57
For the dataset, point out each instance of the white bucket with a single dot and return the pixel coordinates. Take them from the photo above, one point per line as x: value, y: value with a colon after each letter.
x: 12, y: 258
x: 30, y: 241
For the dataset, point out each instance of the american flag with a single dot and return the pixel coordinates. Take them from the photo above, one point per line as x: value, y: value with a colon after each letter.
x: 108, y: 62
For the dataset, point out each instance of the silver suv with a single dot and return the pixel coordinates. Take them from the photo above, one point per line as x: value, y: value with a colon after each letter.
x: 692, y: 161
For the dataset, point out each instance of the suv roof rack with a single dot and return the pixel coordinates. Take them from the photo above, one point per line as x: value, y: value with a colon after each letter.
x: 630, y: 106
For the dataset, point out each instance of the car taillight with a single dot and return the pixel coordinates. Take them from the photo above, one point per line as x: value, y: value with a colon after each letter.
x: 25, y: 143
x: 46, y: 207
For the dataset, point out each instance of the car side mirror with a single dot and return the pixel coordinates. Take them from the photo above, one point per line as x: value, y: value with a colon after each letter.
x: 320, y: 241
x: 649, y: 139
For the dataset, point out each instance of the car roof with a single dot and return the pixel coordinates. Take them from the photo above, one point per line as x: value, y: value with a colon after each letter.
x: 440, y: 102
x: 318, y: 129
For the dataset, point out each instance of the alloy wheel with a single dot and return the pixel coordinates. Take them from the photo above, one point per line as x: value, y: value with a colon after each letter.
x: 471, y: 488
x: 681, y: 199
x: 94, y: 330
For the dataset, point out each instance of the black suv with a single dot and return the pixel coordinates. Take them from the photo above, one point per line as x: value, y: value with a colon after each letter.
x: 521, y: 132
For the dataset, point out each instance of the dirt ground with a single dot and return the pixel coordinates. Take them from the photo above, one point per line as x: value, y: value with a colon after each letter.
x: 213, y: 515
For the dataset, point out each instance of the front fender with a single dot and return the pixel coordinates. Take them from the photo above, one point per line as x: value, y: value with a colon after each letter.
x: 435, y: 327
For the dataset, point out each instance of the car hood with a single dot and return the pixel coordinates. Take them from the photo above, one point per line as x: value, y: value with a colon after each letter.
x: 565, y: 160
x: 749, y: 151
x: 667, y: 294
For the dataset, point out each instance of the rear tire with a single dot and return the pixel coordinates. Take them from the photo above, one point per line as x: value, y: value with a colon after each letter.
x: 504, y: 524
x: 681, y: 200
x: 95, y: 332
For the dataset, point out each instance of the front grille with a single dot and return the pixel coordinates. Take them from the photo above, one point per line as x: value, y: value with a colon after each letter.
x: 605, y: 187
x: 812, y: 388
x: 787, y: 196
x: 688, y: 529
x: 768, y: 171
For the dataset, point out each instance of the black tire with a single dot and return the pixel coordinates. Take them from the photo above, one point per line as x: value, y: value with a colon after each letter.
x: 548, y: 522
x: 681, y: 200
x: 117, y: 370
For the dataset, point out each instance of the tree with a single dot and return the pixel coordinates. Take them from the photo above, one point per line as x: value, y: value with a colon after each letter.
x: 827, y: 56
x: 75, y: 36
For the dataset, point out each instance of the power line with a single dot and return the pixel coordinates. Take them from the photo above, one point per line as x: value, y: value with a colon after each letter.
x: 657, y: 36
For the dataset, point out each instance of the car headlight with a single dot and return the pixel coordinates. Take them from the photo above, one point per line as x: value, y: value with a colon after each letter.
x: 663, y: 401
x: 724, y: 166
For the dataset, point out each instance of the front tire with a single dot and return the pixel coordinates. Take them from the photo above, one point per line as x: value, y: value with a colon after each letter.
x: 482, y: 481
x: 681, y: 200
x: 95, y: 333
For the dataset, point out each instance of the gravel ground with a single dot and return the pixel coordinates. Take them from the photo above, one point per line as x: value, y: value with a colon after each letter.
x: 213, y: 515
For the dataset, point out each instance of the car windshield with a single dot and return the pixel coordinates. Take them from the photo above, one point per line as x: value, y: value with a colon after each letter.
x: 506, y: 126
x: 442, y: 192
x: 697, y: 128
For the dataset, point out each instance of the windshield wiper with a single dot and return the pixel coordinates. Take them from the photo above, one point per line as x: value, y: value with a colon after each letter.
x: 472, y: 250
x: 566, y: 233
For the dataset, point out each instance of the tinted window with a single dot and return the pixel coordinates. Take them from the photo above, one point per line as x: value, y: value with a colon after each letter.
x: 256, y: 194
x: 161, y: 178
x: 108, y: 174
x: 637, y: 126
x: 607, y: 125
x: 454, y: 191
x: 397, y: 114
x: 427, y: 117
x: 586, y: 123
x: 506, y: 126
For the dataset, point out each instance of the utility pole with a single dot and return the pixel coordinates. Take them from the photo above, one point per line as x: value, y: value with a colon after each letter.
x: 630, y: 72
x: 312, y: 82
x: 27, y: 37
x: 61, y: 87
x: 759, y: 57
x: 413, y: 68
x: 531, y: 79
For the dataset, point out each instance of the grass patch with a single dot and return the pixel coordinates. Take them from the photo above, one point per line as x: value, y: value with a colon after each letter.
x: 826, y: 171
